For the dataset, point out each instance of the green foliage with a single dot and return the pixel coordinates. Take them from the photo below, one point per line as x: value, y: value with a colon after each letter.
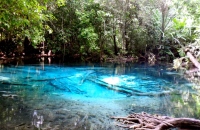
x: 182, y: 102
x: 94, y: 28
x: 181, y: 52
x: 88, y: 21
x: 179, y: 24
x: 60, y: 3
x: 169, y: 24
x: 77, y: 28
x: 24, y: 18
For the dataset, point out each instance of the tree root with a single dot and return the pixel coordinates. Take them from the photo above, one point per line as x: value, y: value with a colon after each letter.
x: 144, y: 121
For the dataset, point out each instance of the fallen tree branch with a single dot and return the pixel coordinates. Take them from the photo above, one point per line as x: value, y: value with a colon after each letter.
x: 188, y: 123
x: 192, y: 71
x: 194, y: 60
x: 144, y: 121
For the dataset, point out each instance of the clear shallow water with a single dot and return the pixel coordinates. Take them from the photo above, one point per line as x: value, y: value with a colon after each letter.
x: 85, y: 96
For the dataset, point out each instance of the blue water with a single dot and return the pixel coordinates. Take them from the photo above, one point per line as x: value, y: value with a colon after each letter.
x: 43, y: 96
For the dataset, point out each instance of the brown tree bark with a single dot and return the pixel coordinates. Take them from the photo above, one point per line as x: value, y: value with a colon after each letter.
x: 194, y: 60
x: 186, y: 123
x: 145, y: 121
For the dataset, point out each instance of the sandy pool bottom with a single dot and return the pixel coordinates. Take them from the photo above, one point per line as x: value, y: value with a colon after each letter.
x: 74, y: 112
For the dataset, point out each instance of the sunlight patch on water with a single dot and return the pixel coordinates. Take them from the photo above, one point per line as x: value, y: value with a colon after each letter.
x: 112, y: 80
x: 4, y: 78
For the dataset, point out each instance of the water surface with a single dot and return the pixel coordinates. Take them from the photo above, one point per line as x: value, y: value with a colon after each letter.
x: 77, y: 97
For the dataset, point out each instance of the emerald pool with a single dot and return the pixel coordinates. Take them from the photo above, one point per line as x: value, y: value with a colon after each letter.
x: 85, y: 96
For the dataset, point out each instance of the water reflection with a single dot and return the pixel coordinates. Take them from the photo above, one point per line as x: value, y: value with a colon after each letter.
x: 37, y: 120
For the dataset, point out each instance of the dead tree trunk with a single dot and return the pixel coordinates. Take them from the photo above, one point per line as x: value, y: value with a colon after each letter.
x: 194, y: 61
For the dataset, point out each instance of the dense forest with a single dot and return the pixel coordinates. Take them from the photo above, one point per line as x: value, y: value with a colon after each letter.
x: 97, y: 30
x: 119, y: 31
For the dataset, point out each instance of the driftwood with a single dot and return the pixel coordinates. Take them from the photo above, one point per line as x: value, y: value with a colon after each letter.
x: 190, y: 63
x: 194, y: 73
x: 194, y: 60
x: 144, y: 121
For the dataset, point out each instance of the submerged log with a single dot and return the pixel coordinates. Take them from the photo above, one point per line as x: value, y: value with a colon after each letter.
x: 154, y: 93
x: 144, y: 121
x: 121, y: 89
x: 131, y: 91
x: 10, y: 83
x: 50, y: 79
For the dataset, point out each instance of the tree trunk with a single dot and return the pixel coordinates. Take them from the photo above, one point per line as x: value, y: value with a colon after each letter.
x: 184, y: 123
x: 145, y: 121
x: 114, y: 38
x: 194, y: 61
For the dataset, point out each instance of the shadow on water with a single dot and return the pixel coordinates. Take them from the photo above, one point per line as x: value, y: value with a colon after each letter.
x: 85, y: 96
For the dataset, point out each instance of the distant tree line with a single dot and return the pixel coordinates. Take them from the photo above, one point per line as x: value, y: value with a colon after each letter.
x: 98, y: 29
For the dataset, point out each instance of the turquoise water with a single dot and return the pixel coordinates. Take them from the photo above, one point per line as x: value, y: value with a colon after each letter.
x: 77, y: 97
